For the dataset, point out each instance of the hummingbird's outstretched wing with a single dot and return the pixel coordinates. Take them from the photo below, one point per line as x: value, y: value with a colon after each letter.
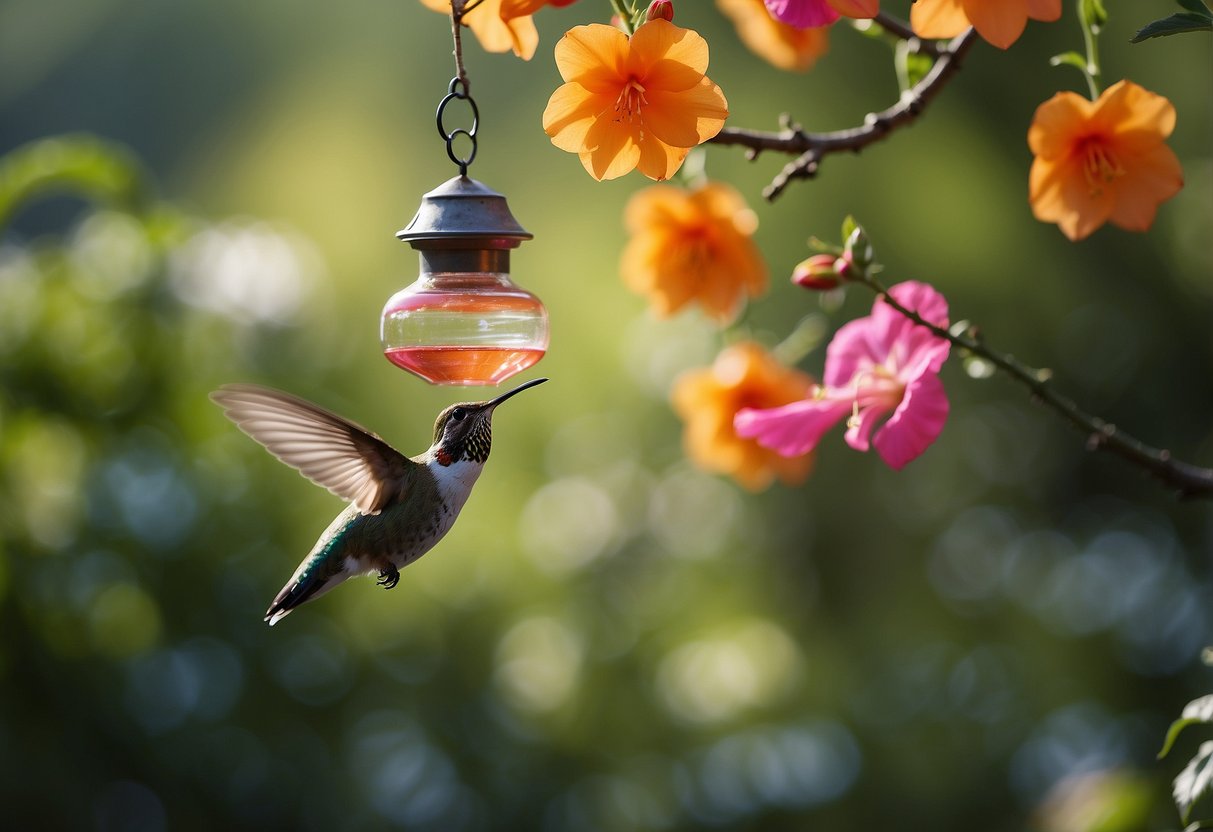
x: 329, y: 450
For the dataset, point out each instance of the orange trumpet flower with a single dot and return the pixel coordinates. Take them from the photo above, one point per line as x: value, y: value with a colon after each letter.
x: 692, y: 246
x: 743, y: 375
x: 1104, y: 160
x: 640, y: 102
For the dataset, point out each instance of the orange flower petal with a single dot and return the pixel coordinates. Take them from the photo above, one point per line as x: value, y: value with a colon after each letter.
x: 734, y: 264
x: 779, y: 44
x: 937, y: 19
x: 643, y: 273
x: 1137, y: 119
x: 1044, y: 10
x: 1058, y: 123
x: 1059, y: 193
x: 667, y: 56
x: 639, y: 260
x: 569, y: 115
x: 1153, y: 178
x: 743, y: 375
x: 593, y: 56
x: 516, y: 8
x: 660, y: 161
x: 999, y: 22
x: 726, y: 202
x: 686, y: 118
x: 657, y: 210
x: 496, y: 35
x: 611, y: 149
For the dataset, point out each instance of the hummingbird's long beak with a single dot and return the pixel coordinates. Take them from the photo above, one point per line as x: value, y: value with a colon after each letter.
x: 494, y: 402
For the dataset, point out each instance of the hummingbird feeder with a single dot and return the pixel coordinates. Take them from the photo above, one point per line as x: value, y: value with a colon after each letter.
x: 463, y: 321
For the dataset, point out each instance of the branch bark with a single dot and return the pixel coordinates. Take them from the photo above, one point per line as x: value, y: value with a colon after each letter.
x: 1190, y: 481
x: 812, y: 148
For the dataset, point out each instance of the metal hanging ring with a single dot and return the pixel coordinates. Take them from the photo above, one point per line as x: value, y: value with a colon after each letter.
x: 458, y: 90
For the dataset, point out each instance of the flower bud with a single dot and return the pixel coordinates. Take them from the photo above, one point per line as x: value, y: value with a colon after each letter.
x: 819, y: 272
x: 663, y: 9
x: 857, y: 250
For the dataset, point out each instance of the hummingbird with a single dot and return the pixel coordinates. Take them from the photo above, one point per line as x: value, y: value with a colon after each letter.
x: 400, y: 506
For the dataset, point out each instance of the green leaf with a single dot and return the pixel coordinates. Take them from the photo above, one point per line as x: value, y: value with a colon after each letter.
x: 1073, y: 59
x: 82, y: 165
x: 1194, y: 6
x: 1194, y: 781
x: 1174, y: 25
x: 1197, y: 711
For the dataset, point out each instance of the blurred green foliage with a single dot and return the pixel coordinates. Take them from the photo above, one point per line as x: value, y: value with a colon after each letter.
x: 608, y: 639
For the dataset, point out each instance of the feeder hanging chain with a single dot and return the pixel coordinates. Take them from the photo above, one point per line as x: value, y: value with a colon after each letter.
x: 458, y: 90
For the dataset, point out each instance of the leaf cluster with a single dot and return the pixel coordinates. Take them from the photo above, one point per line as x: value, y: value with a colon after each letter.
x: 1196, y: 780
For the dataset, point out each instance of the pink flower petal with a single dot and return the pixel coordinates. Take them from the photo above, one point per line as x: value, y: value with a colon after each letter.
x: 886, y: 337
x: 894, y: 335
x: 918, y: 349
x: 859, y: 434
x: 915, y: 424
x: 793, y: 429
x: 923, y: 299
x: 851, y: 352
x: 802, y: 14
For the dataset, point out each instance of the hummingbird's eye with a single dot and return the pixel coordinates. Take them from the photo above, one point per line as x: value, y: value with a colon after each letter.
x: 458, y: 413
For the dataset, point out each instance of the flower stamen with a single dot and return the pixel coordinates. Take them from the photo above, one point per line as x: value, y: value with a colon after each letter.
x: 877, y: 386
x: 630, y: 100
x: 1100, y: 166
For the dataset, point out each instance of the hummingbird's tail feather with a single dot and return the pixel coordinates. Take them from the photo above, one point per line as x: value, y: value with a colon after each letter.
x: 301, y: 589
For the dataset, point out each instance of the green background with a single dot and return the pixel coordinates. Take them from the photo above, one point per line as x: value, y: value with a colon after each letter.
x: 608, y: 639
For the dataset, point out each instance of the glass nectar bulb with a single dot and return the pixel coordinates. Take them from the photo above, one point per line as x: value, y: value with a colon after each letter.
x: 464, y: 328
x: 464, y: 322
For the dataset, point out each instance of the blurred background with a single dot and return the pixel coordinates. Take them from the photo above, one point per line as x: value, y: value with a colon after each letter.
x: 194, y: 193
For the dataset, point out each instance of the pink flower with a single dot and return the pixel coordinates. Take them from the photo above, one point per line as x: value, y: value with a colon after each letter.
x: 881, y: 364
x: 805, y: 14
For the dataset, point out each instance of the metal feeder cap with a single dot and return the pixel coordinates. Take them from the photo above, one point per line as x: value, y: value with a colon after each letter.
x: 460, y: 212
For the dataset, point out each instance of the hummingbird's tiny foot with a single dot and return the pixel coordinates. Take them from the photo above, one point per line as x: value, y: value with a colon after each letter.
x: 389, y: 577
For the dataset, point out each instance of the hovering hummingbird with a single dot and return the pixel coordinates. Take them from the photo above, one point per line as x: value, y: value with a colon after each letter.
x: 400, y: 507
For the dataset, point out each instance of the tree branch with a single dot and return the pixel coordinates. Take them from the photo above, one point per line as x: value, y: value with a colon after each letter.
x: 813, y: 147
x: 1189, y: 480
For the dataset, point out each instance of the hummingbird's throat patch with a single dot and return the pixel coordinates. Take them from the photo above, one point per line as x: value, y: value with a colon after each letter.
x: 444, y: 458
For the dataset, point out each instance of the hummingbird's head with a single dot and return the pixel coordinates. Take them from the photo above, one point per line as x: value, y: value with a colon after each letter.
x: 464, y: 431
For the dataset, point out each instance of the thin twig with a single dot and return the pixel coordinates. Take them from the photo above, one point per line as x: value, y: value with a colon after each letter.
x: 899, y: 28
x: 458, y: 9
x: 1189, y: 480
x: 813, y: 147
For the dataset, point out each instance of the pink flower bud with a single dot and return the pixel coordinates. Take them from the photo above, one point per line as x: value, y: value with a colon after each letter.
x: 819, y: 272
x: 663, y: 9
